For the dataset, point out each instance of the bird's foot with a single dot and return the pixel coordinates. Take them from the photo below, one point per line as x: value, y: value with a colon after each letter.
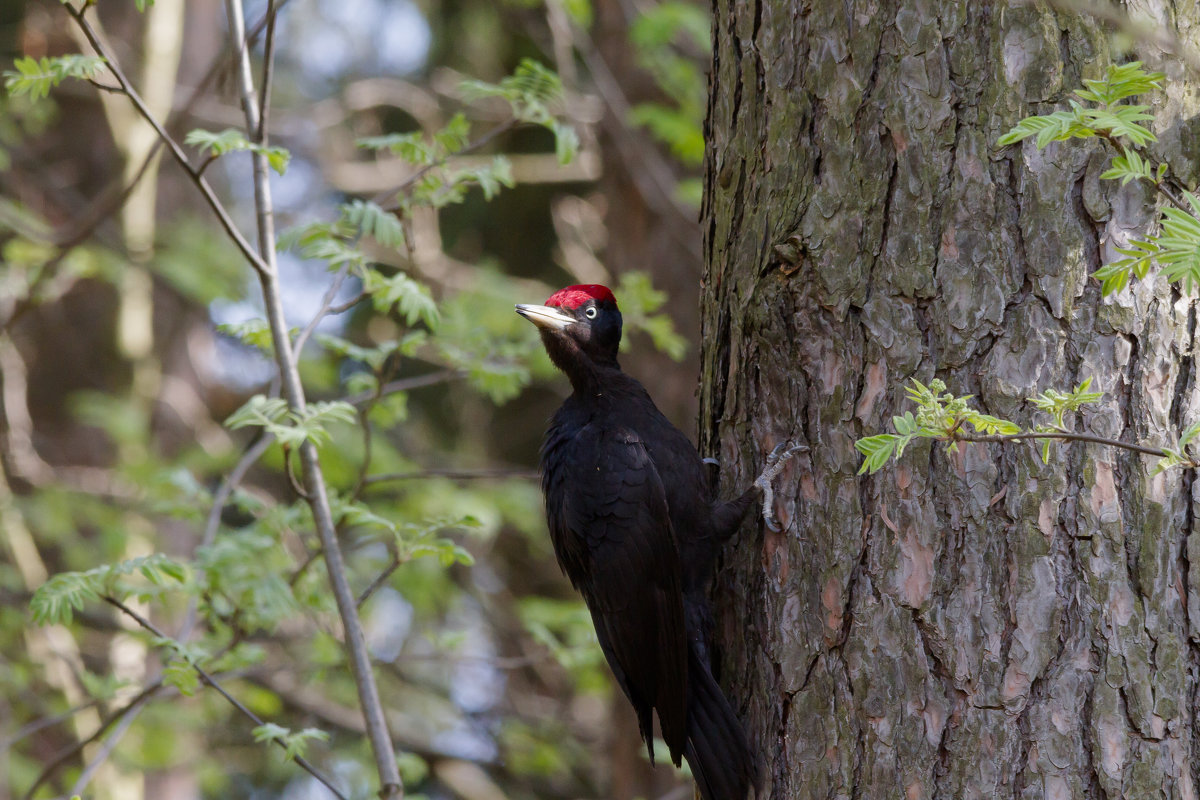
x: 776, y: 461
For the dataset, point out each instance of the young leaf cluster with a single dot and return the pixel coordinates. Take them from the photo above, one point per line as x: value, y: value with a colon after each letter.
x: 56, y: 600
x: 291, y: 427
x: 412, y: 540
x: 36, y: 77
x: 231, y: 140
x: 295, y: 743
x: 1181, y: 455
x: 1176, y: 248
x: 942, y: 416
x: 1107, y: 118
x: 532, y: 92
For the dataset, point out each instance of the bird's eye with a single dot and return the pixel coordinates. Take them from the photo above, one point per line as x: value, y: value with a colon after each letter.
x: 590, y: 313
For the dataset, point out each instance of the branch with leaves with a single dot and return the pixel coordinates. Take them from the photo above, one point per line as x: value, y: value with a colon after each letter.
x: 945, y: 417
x: 1107, y: 117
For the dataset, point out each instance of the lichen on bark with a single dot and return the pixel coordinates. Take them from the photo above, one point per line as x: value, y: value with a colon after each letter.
x: 963, y: 624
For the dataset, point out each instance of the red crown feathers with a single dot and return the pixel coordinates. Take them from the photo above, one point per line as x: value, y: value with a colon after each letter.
x: 573, y: 297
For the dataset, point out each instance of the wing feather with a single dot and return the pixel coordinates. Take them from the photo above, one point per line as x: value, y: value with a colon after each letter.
x: 611, y: 528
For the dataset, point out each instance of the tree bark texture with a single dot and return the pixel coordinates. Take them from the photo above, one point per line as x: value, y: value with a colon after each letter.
x: 969, y: 624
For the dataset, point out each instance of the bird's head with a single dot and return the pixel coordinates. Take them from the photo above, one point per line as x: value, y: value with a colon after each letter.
x: 578, y: 321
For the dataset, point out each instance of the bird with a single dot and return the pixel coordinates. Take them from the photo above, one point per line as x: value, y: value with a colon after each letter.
x: 636, y: 526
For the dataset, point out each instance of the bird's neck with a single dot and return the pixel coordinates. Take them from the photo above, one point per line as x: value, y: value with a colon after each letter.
x: 589, y: 374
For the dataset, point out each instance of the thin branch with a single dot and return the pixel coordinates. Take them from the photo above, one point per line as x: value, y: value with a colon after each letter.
x: 454, y: 474
x: 106, y: 748
x: 209, y: 195
x: 210, y: 681
x: 325, y: 309
x: 264, y: 104
x: 253, y: 453
x: 381, y: 579
x: 114, y: 197
x: 1064, y: 436
x: 408, y: 384
x: 30, y: 728
x: 70, y: 752
x: 346, y: 306
x: 314, y: 479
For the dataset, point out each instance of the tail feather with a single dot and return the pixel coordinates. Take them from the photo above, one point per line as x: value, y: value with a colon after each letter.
x: 717, y: 749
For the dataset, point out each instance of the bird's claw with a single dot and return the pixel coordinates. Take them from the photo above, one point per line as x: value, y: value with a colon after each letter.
x: 777, y: 459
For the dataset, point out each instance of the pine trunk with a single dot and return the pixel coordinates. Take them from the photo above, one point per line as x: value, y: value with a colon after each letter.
x: 971, y: 624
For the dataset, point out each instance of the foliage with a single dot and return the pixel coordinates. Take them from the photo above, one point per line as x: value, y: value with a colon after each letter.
x: 231, y: 140
x: 244, y: 590
x: 942, y: 416
x: 288, y: 426
x: 36, y: 77
x: 670, y: 41
x: 55, y: 600
x: 1177, y: 247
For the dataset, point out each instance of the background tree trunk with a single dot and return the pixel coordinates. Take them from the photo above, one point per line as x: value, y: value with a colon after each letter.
x: 969, y: 624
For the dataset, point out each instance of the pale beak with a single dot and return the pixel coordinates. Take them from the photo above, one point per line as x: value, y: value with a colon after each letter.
x: 546, y: 317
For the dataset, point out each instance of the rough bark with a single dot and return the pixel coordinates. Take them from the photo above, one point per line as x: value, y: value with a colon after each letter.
x: 969, y: 624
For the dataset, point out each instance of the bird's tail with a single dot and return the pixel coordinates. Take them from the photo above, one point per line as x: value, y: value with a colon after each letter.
x: 717, y: 749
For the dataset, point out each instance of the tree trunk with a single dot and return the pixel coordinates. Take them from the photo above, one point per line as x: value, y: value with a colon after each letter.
x: 969, y: 624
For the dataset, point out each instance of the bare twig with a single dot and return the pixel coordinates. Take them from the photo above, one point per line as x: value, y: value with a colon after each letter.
x: 454, y: 474
x: 1066, y: 436
x: 346, y: 306
x: 212, y: 682
x: 408, y: 384
x: 381, y: 579
x: 209, y: 195
x: 106, y: 748
x: 71, y: 751
x: 264, y: 105
x: 325, y: 309
x: 50, y: 721
x: 314, y: 480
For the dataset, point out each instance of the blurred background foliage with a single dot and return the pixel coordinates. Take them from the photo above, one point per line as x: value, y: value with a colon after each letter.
x: 130, y: 332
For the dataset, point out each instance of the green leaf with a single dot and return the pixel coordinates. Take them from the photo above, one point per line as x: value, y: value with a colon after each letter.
x: 566, y: 142
x: 1129, y: 167
x: 36, y: 77
x: 530, y: 90
x: 454, y: 136
x: 876, y: 451
x: 56, y: 600
x: 372, y: 220
x: 373, y: 357
x: 411, y: 147
x: 674, y: 127
x: 1179, y: 244
x: 253, y: 332
x: 409, y: 298
x: 232, y: 140
x: 640, y: 304
x: 269, y: 732
x: 180, y: 674
x: 1119, y: 82
x: 291, y: 428
x: 260, y: 411
x: 1059, y: 126
x: 1122, y: 121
